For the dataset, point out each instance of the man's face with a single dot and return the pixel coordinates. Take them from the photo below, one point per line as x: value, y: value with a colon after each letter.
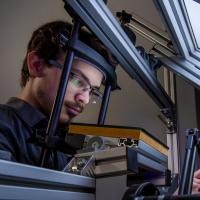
x: 83, y: 76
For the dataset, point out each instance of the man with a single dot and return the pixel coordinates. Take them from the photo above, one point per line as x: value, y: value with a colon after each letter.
x: 40, y: 76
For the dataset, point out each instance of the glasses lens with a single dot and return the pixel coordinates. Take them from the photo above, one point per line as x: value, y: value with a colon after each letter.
x: 78, y: 82
x: 81, y: 84
x: 96, y: 96
x: 96, y: 93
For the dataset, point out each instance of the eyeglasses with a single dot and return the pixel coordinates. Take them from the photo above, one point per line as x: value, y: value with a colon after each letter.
x: 80, y: 83
x: 83, y: 85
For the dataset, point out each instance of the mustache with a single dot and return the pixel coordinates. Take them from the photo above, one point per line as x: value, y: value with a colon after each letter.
x: 79, y: 106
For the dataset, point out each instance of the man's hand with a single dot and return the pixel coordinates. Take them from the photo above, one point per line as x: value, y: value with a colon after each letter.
x: 196, y: 182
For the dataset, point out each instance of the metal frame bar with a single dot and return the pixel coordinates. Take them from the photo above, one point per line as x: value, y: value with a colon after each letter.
x: 172, y: 142
x: 55, y: 113
x: 189, y: 162
x: 20, y: 181
x: 17, y: 174
x: 151, y: 38
x: 18, y: 193
x: 182, y: 67
x: 175, y: 16
x: 173, y: 19
x: 187, y: 65
x: 100, y: 20
x: 104, y: 104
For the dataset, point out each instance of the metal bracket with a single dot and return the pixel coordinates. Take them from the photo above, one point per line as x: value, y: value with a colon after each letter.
x: 168, y: 117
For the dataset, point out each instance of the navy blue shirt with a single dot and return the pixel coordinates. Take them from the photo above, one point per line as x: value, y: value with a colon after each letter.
x: 18, y: 121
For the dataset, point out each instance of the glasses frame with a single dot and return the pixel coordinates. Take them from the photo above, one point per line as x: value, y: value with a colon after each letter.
x: 94, y: 92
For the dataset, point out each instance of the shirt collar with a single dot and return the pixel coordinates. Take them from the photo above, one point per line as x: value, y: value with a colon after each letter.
x: 26, y: 112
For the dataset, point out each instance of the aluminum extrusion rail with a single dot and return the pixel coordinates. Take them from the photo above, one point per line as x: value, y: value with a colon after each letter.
x: 20, y: 181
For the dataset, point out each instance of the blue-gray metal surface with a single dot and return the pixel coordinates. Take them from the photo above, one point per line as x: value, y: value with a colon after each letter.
x: 183, y: 68
x: 187, y: 64
x: 150, y: 164
x: 150, y: 152
x: 19, y: 181
x: 172, y: 15
x: 33, y: 174
x: 8, y: 192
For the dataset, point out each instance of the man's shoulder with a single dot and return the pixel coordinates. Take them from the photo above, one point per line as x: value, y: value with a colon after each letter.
x: 7, y: 112
x: 9, y: 123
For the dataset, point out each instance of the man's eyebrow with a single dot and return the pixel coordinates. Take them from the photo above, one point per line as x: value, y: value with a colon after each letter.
x: 84, y: 77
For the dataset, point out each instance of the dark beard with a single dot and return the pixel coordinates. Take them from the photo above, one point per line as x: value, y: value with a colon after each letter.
x: 79, y: 106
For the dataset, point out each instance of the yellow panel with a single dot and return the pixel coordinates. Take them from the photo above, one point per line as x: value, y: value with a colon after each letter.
x: 118, y: 132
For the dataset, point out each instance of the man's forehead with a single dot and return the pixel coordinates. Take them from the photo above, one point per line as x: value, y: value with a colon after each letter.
x: 79, y: 60
x: 87, y: 70
x: 90, y: 64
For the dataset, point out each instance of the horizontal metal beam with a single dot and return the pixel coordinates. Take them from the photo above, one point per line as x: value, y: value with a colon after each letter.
x: 17, y: 174
x: 187, y: 64
x: 96, y: 15
x: 183, y: 68
x: 30, y: 193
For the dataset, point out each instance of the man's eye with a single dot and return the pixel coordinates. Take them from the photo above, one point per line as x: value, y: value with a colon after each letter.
x: 77, y: 82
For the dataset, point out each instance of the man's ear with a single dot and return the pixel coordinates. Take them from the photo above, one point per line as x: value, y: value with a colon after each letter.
x: 35, y: 64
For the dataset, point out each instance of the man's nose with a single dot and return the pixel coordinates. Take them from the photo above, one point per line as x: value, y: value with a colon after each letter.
x: 83, y: 97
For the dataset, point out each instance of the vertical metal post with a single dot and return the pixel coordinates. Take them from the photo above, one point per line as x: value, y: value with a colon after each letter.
x: 55, y: 114
x: 104, y: 104
x: 172, y: 143
x: 189, y: 162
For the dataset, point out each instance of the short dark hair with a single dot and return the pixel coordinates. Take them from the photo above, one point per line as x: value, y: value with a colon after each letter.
x: 44, y: 42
